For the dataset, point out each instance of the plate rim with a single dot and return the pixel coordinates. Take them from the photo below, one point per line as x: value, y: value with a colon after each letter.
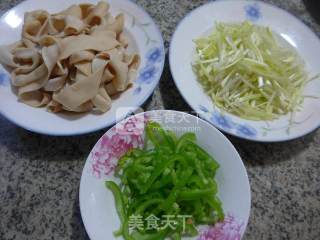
x: 207, y: 124
x: 201, y: 114
x: 115, y: 119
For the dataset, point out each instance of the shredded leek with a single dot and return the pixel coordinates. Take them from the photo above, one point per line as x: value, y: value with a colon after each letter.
x: 248, y: 71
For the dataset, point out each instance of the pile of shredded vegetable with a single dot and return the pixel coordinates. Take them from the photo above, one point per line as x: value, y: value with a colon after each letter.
x: 170, y: 177
x: 248, y: 71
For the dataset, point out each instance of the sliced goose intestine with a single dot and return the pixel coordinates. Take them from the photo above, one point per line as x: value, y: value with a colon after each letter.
x: 102, y: 100
x: 35, y: 25
x: 81, y: 56
x: 81, y: 91
x: 97, y: 14
x: 74, y: 44
x: 73, y: 60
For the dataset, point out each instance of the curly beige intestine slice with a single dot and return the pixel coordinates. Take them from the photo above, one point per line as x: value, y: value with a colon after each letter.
x: 81, y: 91
x: 122, y: 38
x: 65, y: 53
x: 6, y: 56
x: 84, y: 68
x: 37, y: 78
x: 85, y: 107
x: 57, y: 82
x: 35, y: 25
x: 97, y: 13
x: 74, y: 44
x: 116, y: 26
x: 54, y: 106
x: 28, y: 59
x: 81, y: 56
x: 102, y: 100
x: 107, y: 76
x: 86, y: 9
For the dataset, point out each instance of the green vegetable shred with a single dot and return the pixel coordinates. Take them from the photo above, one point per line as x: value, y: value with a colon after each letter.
x: 170, y: 178
x: 249, y: 71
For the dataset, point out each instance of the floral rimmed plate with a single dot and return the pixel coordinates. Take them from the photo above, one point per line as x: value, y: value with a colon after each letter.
x: 298, y: 35
x: 145, y: 38
x: 97, y: 204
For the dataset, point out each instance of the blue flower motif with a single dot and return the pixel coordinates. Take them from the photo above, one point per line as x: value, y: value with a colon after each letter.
x: 3, y: 79
x: 147, y: 74
x: 154, y: 55
x: 253, y: 12
x: 221, y: 120
x: 246, y: 130
x: 137, y: 90
x: 203, y: 109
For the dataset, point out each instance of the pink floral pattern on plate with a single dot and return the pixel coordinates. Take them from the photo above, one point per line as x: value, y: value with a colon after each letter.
x: 229, y: 229
x: 115, y: 143
x: 129, y: 134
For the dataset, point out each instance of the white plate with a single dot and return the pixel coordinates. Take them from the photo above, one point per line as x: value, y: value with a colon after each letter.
x: 147, y: 41
x: 97, y: 204
x: 200, y: 21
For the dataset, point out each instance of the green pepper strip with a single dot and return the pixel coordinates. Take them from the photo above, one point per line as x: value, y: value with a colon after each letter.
x: 113, y: 187
x: 205, y: 155
x: 217, y: 206
x: 167, y: 203
x: 125, y: 230
x: 175, y: 191
x: 163, y: 181
x: 198, y: 167
x: 151, y: 129
x: 197, y: 181
x: 159, y: 168
x: 191, y: 230
x: 147, y: 204
x: 139, y: 200
x: 185, y: 138
x: 196, y: 194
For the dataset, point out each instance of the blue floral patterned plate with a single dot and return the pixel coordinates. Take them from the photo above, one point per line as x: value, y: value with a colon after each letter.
x: 145, y: 38
x: 292, y: 30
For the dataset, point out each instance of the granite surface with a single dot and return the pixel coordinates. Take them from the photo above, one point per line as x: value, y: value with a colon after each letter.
x: 39, y: 175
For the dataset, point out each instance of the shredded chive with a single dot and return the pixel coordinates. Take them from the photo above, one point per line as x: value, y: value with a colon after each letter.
x: 250, y: 72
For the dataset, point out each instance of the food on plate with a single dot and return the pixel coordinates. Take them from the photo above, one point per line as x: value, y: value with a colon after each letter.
x: 171, y: 179
x: 249, y: 71
x: 74, y: 60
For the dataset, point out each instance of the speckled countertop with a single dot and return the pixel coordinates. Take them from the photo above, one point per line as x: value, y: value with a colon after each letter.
x: 39, y: 175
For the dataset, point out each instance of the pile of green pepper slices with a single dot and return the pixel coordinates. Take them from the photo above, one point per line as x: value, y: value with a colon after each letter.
x: 170, y: 176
